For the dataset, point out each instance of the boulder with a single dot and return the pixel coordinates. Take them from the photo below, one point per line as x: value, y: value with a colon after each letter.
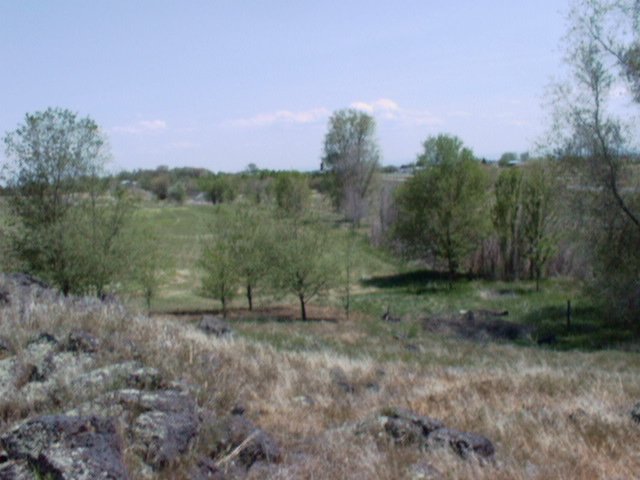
x: 255, y: 444
x: 160, y: 424
x: 407, y: 428
x: 463, y: 443
x: 214, y: 325
x: 65, y: 447
x: 80, y: 341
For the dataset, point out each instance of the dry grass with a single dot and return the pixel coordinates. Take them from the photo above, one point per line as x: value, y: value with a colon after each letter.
x: 550, y: 415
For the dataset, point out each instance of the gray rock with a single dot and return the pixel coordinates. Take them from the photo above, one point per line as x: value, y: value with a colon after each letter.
x: 119, y: 375
x: 404, y: 425
x: 463, y: 443
x: 68, y: 447
x: 6, y: 346
x: 635, y: 413
x: 407, y: 428
x: 80, y: 341
x: 161, y: 437
x: 258, y: 445
x: 15, y: 470
x: 160, y: 424
x: 214, y: 325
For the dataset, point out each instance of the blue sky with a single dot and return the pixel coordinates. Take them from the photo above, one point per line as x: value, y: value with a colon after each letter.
x: 221, y: 84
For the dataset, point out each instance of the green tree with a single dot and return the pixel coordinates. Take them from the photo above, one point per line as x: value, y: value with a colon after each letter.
x: 538, y: 217
x: 292, y: 193
x: 351, y: 156
x: 506, y: 217
x: 71, y: 227
x: 220, y: 265
x: 442, y: 209
x: 597, y: 146
x: 305, y: 267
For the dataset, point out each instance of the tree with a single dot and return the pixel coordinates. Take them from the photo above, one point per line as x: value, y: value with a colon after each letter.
x: 538, y: 217
x: 351, y: 156
x: 305, y: 266
x: 596, y: 145
x: 442, y: 209
x: 506, y: 217
x: 292, y: 193
x: 70, y: 225
x: 240, y: 254
x: 220, y: 280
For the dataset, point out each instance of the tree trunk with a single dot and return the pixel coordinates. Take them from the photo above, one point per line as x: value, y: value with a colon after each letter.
x: 303, y: 310
x: 223, y: 299
x: 249, y: 297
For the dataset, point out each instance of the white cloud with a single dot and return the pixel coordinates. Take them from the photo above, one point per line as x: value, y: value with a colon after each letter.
x: 387, y: 109
x: 281, y: 117
x: 141, y: 127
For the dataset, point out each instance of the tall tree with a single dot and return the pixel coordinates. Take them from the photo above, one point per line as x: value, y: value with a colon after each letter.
x: 442, y: 209
x: 506, y: 217
x: 71, y: 226
x: 351, y: 155
x: 602, y: 51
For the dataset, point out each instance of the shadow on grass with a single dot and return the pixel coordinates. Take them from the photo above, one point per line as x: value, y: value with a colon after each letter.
x: 258, y: 315
x: 587, y: 329
x: 418, y: 279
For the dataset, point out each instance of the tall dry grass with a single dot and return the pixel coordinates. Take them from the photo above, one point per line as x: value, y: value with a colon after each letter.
x: 550, y: 415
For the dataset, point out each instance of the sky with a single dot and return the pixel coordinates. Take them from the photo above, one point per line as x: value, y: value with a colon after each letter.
x: 222, y: 84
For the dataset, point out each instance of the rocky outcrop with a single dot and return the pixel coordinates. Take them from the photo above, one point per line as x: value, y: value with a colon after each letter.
x: 406, y: 428
x: 64, y: 447
x: 244, y: 443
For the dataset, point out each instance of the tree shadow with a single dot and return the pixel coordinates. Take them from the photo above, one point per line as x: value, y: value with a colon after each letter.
x: 419, y: 280
x: 258, y: 315
x: 588, y: 328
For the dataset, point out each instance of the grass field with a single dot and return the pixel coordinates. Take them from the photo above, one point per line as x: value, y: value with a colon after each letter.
x: 554, y: 411
x: 379, y: 281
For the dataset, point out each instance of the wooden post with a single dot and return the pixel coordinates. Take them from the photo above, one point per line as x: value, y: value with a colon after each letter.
x: 568, y: 315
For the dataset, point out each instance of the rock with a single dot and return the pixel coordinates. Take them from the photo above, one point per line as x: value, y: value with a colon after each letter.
x: 339, y: 378
x: 214, y: 325
x: 5, y: 298
x: 406, y: 427
x: 65, y: 447
x: 161, y: 437
x: 6, y: 346
x: 10, y: 470
x: 118, y: 375
x: 463, y: 443
x: 80, y: 341
x: 160, y: 424
x: 257, y: 445
x: 635, y: 413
